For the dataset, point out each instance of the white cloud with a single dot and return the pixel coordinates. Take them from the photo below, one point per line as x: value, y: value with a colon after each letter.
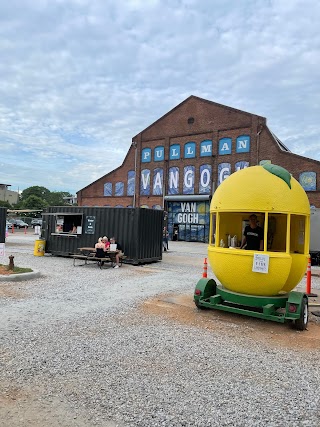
x: 79, y: 79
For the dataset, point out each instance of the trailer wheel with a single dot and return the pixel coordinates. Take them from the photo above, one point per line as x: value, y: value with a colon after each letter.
x: 199, y: 306
x: 302, y: 323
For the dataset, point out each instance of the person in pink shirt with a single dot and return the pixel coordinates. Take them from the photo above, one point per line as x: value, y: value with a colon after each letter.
x: 106, y: 242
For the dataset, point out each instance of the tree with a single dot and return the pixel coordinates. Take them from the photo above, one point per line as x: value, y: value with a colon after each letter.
x: 56, y: 198
x: 5, y: 204
x: 34, y: 202
x: 49, y: 198
x: 41, y: 192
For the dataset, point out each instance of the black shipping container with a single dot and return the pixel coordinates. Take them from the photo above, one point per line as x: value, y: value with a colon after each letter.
x: 3, y: 219
x: 138, y: 230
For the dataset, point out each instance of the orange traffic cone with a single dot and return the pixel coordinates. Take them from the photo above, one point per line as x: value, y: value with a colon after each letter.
x: 205, y: 269
x: 25, y: 230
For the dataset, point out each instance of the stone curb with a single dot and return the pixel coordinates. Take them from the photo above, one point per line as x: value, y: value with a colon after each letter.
x: 20, y: 276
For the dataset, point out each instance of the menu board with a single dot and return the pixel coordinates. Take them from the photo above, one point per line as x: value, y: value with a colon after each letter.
x: 90, y: 225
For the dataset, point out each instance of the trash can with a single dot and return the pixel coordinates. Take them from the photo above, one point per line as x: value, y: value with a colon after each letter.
x: 37, y: 229
x: 39, y: 247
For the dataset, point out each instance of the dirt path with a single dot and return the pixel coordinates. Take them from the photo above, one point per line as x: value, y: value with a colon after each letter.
x: 181, y: 309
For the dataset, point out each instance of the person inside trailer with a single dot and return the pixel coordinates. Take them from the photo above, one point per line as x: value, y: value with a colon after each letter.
x: 252, y: 236
x: 74, y: 229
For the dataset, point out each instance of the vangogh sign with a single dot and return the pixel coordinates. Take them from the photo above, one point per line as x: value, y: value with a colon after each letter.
x: 188, y: 214
x: 183, y: 181
x: 152, y: 181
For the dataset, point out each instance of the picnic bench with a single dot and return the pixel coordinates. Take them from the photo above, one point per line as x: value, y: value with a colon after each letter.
x: 89, y: 255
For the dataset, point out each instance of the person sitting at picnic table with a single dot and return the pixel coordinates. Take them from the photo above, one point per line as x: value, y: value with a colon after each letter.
x: 119, y: 252
x: 106, y: 242
x: 100, y: 248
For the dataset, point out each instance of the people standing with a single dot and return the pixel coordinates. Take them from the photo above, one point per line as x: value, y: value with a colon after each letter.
x: 253, y: 235
x: 165, y: 237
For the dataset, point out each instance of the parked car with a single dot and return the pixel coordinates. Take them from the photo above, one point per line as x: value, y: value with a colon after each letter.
x: 8, y: 225
x: 36, y: 221
x: 18, y: 223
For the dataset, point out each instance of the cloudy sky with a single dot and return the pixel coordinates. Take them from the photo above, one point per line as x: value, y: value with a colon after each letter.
x: 80, y: 78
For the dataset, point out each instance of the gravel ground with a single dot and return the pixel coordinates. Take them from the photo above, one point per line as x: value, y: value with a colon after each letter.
x: 78, y: 349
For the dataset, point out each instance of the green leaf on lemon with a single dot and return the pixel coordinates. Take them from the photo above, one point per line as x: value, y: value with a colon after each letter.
x: 280, y: 172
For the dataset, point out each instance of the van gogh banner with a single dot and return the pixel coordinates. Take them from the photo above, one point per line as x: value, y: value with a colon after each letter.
x: 131, y: 183
x: 205, y: 179
x: 156, y: 181
x: 224, y: 170
x: 173, y: 181
x: 189, y: 212
x: 308, y: 180
x: 145, y: 182
x: 188, y: 180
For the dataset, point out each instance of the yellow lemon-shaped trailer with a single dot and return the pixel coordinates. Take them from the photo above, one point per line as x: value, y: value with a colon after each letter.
x: 283, y: 212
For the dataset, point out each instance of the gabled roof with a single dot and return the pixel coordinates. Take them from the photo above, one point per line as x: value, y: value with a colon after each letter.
x: 280, y: 144
x: 202, y: 100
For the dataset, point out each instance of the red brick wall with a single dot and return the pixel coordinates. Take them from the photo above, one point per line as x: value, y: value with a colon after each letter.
x: 211, y: 121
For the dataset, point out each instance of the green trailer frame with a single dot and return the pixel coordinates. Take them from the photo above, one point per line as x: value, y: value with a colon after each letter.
x: 289, y: 307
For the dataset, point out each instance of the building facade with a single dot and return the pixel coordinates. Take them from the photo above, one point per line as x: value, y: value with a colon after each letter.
x: 7, y: 195
x: 177, y: 162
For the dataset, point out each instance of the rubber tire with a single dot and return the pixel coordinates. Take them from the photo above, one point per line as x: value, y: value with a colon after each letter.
x: 200, y: 307
x: 301, y: 324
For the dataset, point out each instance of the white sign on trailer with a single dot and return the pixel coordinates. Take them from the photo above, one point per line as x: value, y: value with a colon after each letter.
x: 260, y: 263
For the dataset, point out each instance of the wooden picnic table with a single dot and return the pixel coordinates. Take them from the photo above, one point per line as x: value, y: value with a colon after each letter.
x: 87, y: 251
x: 88, y: 254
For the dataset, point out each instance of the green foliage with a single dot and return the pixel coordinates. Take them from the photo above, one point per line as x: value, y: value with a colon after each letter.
x: 40, y: 197
x: 18, y: 205
x: 5, y: 204
x: 41, y: 192
x: 56, y: 198
x: 34, y: 202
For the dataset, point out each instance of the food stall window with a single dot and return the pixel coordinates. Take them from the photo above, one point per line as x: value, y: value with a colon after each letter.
x: 70, y: 224
x: 213, y: 229
x: 298, y: 234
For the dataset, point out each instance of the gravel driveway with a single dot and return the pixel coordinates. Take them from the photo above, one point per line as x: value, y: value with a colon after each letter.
x: 80, y: 346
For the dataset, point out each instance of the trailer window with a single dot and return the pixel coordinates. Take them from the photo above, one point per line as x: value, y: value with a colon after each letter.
x: 69, y: 223
x: 297, y: 234
x: 232, y: 225
x: 277, y: 232
x: 213, y: 229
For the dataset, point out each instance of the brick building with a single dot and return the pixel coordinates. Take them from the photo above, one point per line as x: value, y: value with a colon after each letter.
x: 181, y: 158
